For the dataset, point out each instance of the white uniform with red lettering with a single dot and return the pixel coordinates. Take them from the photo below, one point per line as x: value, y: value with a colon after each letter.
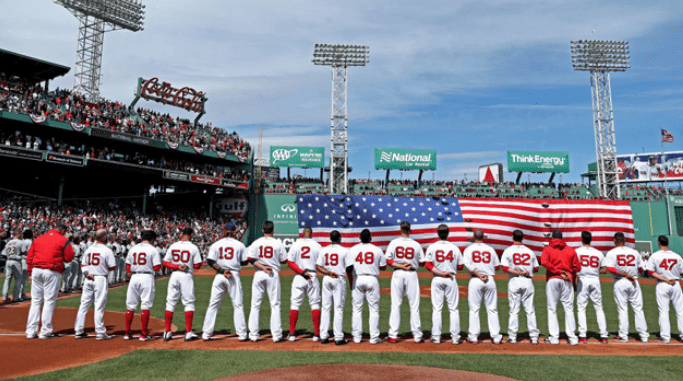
x: 270, y: 252
x: 181, y: 284
x: 98, y: 260
x: 142, y: 259
x: 405, y: 250
x: 304, y: 253
x: 588, y: 286
x: 483, y: 258
x: 627, y: 260
x: 669, y: 265
x: 333, y: 258
x: 366, y: 260
x: 228, y: 253
x: 445, y: 256
x: 521, y: 289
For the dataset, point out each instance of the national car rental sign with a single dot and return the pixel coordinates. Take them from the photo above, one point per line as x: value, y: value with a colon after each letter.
x: 405, y: 159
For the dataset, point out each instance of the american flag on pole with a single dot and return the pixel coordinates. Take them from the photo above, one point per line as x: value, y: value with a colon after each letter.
x: 666, y: 136
x: 497, y: 217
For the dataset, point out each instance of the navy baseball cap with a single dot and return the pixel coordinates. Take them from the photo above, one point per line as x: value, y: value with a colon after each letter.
x: 557, y: 234
x: 229, y: 227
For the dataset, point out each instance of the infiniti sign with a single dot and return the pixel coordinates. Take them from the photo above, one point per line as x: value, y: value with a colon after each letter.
x: 288, y: 208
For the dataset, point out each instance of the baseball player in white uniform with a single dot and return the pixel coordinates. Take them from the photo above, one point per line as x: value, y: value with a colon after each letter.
x: 302, y: 257
x: 142, y: 261
x: 589, y: 287
x: 27, y: 241
x: 183, y: 258
x: 13, y: 254
x: 444, y: 259
x: 332, y: 264
x: 363, y: 263
x: 266, y: 254
x: 73, y: 266
x: 226, y: 256
x: 520, y: 263
x: 405, y: 255
x: 624, y: 263
x: 97, y: 262
x: 482, y: 262
x: 667, y: 266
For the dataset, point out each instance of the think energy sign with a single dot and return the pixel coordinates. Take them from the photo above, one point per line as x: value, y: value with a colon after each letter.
x: 401, y: 158
x: 537, y: 161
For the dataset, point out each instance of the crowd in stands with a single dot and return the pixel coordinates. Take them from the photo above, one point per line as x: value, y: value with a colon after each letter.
x: 123, y: 219
x: 17, y: 138
x: 62, y: 105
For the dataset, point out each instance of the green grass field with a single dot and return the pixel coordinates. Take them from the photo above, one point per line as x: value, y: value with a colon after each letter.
x: 206, y: 365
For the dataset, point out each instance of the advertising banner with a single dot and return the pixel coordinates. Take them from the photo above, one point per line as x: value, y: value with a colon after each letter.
x: 644, y: 167
x: 538, y: 161
x: 282, y: 210
x: 300, y: 157
x: 405, y: 159
x: 205, y: 180
x: 235, y: 206
x: 491, y: 173
x: 176, y: 176
x: 20, y: 153
x: 77, y: 161
x: 127, y: 138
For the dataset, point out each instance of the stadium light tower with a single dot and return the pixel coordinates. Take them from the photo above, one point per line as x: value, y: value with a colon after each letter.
x: 339, y: 57
x: 600, y: 58
x: 97, y: 17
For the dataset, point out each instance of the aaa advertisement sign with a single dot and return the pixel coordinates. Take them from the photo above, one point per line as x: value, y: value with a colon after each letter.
x: 405, y: 159
x: 650, y: 167
x: 537, y: 161
x: 301, y: 157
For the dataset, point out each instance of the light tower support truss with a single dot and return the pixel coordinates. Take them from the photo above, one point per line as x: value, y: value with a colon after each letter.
x: 600, y: 58
x: 97, y: 17
x: 339, y: 57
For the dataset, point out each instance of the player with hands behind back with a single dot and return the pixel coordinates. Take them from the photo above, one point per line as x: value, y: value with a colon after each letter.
x: 332, y: 264
x: 303, y: 254
x: 667, y: 266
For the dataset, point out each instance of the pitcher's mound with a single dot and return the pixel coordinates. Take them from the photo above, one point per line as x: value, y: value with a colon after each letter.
x: 365, y: 372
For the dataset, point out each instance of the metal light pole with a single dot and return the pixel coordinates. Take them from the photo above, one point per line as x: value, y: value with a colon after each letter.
x: 339, y: 57
x: 600, y: 58
x: 97, y: 17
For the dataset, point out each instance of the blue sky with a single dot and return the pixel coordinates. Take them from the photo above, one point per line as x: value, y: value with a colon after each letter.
x: 469, y: 79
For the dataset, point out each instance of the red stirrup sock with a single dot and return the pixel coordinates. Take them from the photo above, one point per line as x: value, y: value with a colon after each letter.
x: 129, y: 319
x: 144, y: 318
x: 189, y: 315
x: 168, y: 319
x: 293, y: 317
x: 316, y: 322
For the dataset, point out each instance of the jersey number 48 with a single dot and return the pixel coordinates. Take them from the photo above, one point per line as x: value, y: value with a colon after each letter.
x: 367, y: 258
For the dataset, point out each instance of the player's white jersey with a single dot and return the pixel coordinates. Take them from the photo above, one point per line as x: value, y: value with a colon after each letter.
x: 142, y: 258
x: 667, y: 263
x: 366, y: 259
x: 481, y: 257
x: 333, y: 258
x: 405, y: 250
x: 13, y: 249
x: 98, y: 259
x: 445, y: 256
x: 304, y: 252
x: 228, y: 253
x: 77, y: 250
x: 519, y: 257
x: 26, y: 245
x: 269, y: 251
x: 183, y: 253
x: 591, y: 261
x: 624, y: 259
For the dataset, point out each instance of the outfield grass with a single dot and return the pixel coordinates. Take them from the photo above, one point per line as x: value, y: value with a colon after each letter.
x: 117, y: 297
x: 209, y: 365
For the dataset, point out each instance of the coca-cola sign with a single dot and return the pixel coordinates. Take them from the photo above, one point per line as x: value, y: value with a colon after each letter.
x: 186, y: 97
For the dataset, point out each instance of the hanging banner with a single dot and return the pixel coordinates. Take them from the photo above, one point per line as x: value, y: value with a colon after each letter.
x: 655, y: 166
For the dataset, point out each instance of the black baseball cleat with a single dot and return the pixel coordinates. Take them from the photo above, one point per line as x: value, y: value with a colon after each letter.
x: 341, y: 342
x: 50, y: 336
x: 81, y: 335
x: 325, y: 341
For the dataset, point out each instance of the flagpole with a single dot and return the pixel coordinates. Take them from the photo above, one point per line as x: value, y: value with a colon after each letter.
x: 666, y: 183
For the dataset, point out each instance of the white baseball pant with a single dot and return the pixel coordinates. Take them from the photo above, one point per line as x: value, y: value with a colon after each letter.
x: 12, y: 272
x: 405, y: 282
x: 141, y: 290
x: 334, y: 291
x: 261, y: 284
x: 220, y: 287
x: 180, y: 286
x: 589, y: 287
x: 478, y: 290
x: 366, y: 287
x: 667, y: 293
x: 93, y: 290
x: 445, y: 288
x: 521, y: 291
x: 74, y: 266
x: 65, y: 276
x: 24, y: 278
x: 560, y: 290
x: 45, y: 287
x: 302, y: 288
x: 625, y: 292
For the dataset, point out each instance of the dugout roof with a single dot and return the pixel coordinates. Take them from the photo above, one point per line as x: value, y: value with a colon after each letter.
x: 32, y: 70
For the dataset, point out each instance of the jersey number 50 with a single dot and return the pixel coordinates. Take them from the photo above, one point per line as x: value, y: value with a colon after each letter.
x: 180, y: 256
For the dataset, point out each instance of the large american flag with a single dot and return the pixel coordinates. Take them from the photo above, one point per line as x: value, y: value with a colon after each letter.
x: 497, y: 217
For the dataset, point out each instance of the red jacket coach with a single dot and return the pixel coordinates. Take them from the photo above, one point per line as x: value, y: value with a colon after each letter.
x: 45, y: 262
